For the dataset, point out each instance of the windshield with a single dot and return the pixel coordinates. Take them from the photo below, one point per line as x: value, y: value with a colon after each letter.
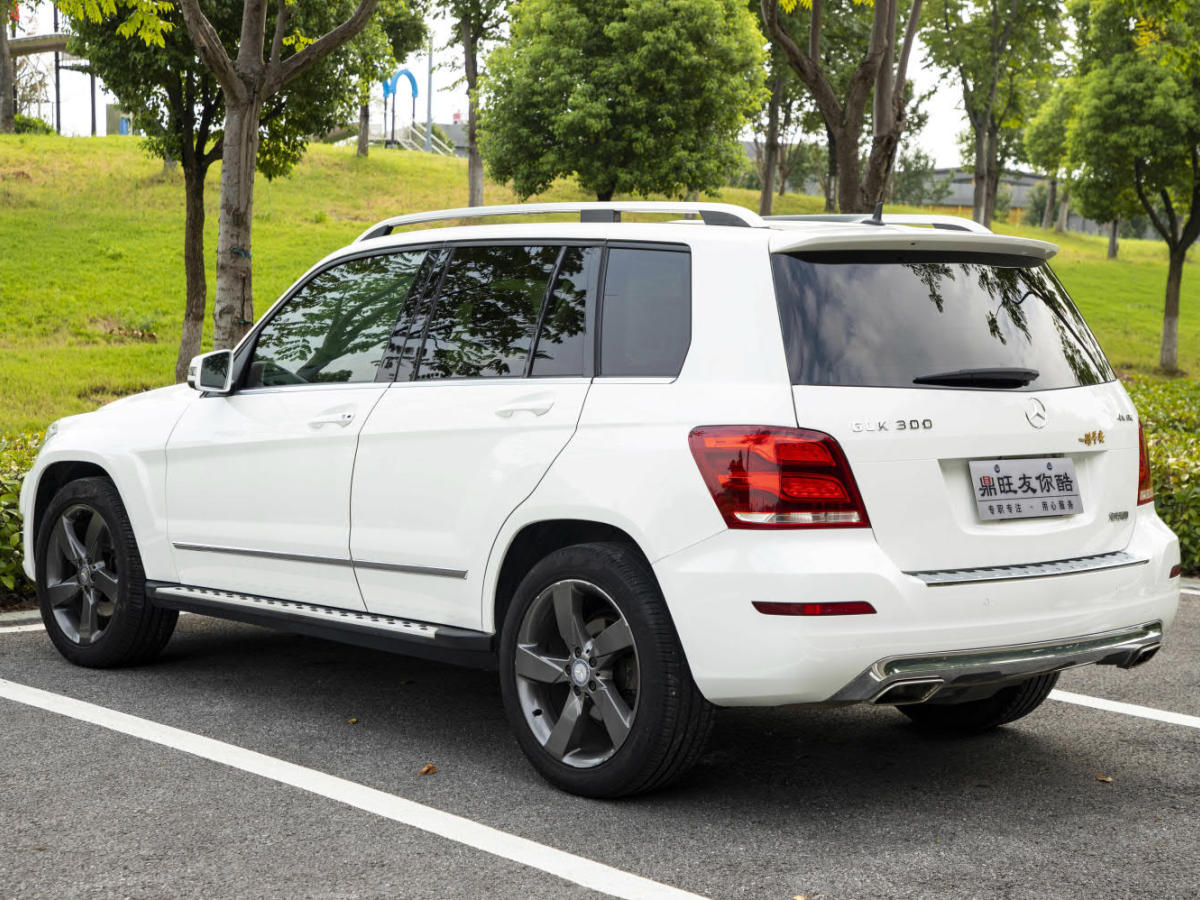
x: 916, y: 321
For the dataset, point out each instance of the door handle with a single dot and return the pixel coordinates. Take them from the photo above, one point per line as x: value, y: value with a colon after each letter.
x: 341, y: 419
x: 539, y: 405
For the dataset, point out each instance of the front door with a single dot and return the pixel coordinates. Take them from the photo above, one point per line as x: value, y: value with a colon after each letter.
x: 258, y: 482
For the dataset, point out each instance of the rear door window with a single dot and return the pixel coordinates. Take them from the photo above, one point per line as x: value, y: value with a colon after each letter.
x: 562, y: 336
x: 896, y: 321
x: 646, y: 317
x: 483, y: 319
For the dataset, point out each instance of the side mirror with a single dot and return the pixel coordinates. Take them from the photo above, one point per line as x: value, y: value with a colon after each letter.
x: 212, y: 372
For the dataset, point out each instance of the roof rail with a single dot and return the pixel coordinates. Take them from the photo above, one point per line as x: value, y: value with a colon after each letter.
x: 710, y: 213
x: 949, y: 223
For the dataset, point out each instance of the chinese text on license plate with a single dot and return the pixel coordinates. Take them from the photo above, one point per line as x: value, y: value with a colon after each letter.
x: 1025, y: 488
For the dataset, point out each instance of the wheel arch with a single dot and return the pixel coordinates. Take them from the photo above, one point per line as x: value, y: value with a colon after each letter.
x: 534, y: 541
x: 54, y: 478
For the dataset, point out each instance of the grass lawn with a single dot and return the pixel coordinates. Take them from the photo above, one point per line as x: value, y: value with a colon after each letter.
x: 91, y: 271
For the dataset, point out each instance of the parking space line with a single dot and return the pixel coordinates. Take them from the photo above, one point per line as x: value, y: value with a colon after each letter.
x: 1128, y: 709
x: 586, y: 872
x: 17, y: 629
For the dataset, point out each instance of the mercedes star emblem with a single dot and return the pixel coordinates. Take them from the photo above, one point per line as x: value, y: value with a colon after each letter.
x: 1036, y: 413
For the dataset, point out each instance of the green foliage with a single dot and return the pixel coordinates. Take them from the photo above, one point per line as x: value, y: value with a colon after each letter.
x: 23, y: 124
x: 1135, y: 128
x: 631, y: 96
x: 17, y: 452
x: 1170, y: 413
x: 1035, y: 204
x: 914, y: 181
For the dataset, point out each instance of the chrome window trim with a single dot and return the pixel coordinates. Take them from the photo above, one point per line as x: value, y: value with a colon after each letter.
x: 321, y: 560
x: 944, y: 577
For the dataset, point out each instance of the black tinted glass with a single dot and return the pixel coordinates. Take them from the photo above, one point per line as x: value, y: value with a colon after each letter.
x: 647, y: 314
x: 486, y: 311
x: 885, y: 324
x: 336, y: 327
x: 562, y: 338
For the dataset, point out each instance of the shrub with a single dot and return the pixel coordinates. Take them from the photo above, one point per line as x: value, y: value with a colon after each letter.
x: 1170, y: 413
x: 16, y: 456
x: 23, y: 124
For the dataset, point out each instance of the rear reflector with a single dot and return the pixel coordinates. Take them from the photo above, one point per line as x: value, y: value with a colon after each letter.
x: 845, y: 608
x: 765, y: 477
x: 1176, y: 571
x: 1145, y: 484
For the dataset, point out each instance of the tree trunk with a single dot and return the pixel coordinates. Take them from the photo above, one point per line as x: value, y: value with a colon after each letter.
x: 979, y: 201
x: 193, y: 267
x: 233, y: 312
x: 7, y: 79
x: 879, y: 169
x: 1064, y: 212
x: 831, y: 170
x: 364, y: 129
x: 849, y: 183
x: 1113, y: 237
x: 1168, y: 359
x: 474, y: 160
x: 770, y: 161
x: 1051, y: 198
x: 604, y: 196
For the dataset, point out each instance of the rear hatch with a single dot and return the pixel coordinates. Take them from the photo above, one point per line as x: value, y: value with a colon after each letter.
x: 977, y: 412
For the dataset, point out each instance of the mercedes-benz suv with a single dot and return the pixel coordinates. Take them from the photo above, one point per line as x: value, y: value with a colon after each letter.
x: 644, y: 468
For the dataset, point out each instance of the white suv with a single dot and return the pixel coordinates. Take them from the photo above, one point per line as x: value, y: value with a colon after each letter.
x: 643, y: 468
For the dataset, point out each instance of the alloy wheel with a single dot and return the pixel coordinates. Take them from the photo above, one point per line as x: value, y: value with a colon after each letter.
x: 577, y: 673
x: 81, y: 574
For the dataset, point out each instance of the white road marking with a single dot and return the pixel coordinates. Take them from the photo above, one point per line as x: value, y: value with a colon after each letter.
x: 582, y: 871
x: 1189, y: 592
x: 17, y: 629
x: 1128, y: 709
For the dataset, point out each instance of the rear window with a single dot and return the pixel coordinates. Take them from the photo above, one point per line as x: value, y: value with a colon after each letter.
x: 895, y: 321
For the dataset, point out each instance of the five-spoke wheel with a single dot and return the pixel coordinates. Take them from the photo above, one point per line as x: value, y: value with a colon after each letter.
x: 594, y: 680
x: 577, y: 673
x: 90, y: 581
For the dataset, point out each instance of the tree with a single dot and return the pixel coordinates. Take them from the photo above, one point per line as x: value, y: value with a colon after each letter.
x: 476, y: 22
x: 177, y: 103
x: 880, y: 73
x: 1135, y: 131
x: 258, y: 71
x: 630, y: 96
x: 998, y: 50
x: 1046, y: 143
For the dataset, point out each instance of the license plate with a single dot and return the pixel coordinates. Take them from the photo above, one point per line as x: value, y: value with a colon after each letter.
x: 1025, y: 488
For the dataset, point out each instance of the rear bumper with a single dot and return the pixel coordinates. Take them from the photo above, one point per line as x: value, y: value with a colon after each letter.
x: 740, y: 657
x: 915, y: 679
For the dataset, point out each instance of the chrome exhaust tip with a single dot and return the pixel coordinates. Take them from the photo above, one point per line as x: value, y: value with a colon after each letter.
x: 915, y: 690
x: 1143, y: 655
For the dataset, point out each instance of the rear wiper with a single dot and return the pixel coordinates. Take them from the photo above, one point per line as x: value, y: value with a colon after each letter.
x: 992, y: 378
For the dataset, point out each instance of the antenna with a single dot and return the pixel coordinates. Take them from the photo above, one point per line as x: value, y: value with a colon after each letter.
x: 876, y: 219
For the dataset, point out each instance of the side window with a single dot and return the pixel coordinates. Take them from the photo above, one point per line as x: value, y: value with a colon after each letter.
x: 646, y: 319
x: 485, y: 313
x: 562, y: 338
x: 336, y: 327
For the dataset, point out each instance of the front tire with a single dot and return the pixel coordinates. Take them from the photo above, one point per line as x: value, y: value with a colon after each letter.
x: 977, y: 716
x: 90, y: 581
x: 594, y: 680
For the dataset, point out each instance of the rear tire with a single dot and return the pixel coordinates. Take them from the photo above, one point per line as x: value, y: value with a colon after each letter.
x: 90, y: 583
x: 977, y: 716
x: 594, y: 680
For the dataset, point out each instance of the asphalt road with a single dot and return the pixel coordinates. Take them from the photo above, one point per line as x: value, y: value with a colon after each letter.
x: 845, y: 803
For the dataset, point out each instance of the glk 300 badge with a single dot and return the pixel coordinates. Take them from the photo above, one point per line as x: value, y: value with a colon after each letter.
x: 1092, y: 437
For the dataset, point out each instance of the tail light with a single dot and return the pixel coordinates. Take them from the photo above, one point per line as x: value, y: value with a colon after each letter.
x: 1145, y: 485
x: 763, y: 477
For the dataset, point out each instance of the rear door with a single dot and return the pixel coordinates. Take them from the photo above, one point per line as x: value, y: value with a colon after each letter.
x: 258, y: 482
x: 978, y: 414
x: 493, y: 374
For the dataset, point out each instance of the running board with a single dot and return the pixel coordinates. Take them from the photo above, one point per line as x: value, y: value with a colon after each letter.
x: 364, y: 629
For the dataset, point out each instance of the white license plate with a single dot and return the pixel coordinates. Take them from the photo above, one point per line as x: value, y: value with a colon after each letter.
x: 1025, y: 488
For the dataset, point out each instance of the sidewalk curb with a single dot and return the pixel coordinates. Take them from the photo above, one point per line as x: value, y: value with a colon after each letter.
x: 20, y: 617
